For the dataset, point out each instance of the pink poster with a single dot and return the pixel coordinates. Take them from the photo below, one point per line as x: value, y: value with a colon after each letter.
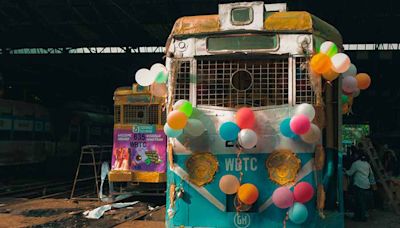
x: 141, y: 149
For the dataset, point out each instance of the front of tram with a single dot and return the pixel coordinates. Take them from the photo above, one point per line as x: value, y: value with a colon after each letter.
x: 251, y: 56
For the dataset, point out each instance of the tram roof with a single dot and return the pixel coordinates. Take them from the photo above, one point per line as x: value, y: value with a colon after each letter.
x: 278, y: 22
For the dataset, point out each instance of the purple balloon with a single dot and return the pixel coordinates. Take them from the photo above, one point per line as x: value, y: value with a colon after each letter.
x: 349, y: 84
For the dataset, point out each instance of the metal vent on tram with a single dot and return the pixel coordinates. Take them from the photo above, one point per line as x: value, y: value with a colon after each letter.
x: 237, y: 83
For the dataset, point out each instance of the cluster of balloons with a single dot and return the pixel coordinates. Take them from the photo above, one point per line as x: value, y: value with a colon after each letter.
x: 178, y: 121
x: 242, y: 130
x: 300, y: 125
x: 352, y: 84
x: 283, y: 198
x: 246, y: 193
x: 328, y: 62
x: 156, y: 78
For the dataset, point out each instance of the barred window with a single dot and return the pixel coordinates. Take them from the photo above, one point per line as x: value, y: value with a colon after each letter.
x: 304, y: 89
x: 182, y: 84
x: 236, y: 83
x: 141, y: 114
x: 117, y: 113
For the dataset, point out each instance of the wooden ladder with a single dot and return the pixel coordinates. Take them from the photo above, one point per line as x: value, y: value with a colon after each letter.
x: 380, y: 171
x: 92, y: 156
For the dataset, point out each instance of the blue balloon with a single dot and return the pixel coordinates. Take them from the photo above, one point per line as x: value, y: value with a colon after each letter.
x: 229, y: 131
x: 298, y: 213
x: 172, y: 133
x: 285, y: 129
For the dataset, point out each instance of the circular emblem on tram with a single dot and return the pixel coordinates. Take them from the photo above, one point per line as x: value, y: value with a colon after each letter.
x: 201, y: 168
x: 241, y: 220
x: 283, y: 166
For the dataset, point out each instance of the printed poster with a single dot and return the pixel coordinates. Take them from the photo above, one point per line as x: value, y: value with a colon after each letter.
x: 142, y: 148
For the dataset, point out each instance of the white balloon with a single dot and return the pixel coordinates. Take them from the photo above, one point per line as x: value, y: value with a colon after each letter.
x: 352, y: 71
x: 178, y: 104
x: 305, y: 109
x: 158, y: 67
x: 313, y: 135
x: 158, y: 89
x: 349, y: 84
x: 329, y: 48
x: 194, y: 127
x: 340, y: 63
x: 143, y: 77
x: 247, y: 138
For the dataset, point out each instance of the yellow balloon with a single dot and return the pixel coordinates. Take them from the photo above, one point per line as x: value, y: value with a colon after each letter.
x: 330, y: 75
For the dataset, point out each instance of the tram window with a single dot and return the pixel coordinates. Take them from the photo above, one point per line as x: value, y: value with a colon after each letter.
x: 23, y: 135
x: 140, y: 114
x: 242, y: 43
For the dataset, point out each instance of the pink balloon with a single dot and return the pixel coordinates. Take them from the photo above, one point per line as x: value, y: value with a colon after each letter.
x: 300, y: 124
x: 283, y: 197
x: 303, y: 192
x: 245, y: 118
x: 229, y: 184
x: 349, y: 84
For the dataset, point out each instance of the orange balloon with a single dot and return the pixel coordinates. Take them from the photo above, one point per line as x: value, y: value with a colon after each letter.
x: 363, y: 80
x: 177, y: 120
x: 330, y: 75
x: 248, y: 193
x: 320, y: 63
x: 345, y: 108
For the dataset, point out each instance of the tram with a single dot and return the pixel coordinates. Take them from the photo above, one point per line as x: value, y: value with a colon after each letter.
x: 251, y: 55
x: 139, y: 145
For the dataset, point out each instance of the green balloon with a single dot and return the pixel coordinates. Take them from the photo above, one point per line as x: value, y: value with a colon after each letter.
x: 186, y: 108
x: 162, y: 77
x: 345, y: 99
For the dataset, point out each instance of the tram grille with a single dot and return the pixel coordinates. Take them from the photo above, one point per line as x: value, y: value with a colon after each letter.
x: 117, y: 114
x: 182, y: 83
x: 262, y: 82
x: 140, y: 114
x: 304, y: 89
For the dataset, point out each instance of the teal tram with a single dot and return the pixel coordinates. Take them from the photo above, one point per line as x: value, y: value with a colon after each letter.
x: 252, y: 55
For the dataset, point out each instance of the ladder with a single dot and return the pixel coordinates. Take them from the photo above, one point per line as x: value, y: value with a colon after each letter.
x: 380, y: 171
x: 92, y: 157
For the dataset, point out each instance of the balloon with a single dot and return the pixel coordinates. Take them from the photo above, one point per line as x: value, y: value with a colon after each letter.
x: 160, y: 72
x: 171, y: 132
x: 303, y: 192
x: 282, y: 197
x: 345, y: 99
x: 298, y: 213
x: 245, y: 118
x: 340, y: 62
x: 345, y: 108
x: 229, y: 184
x: 229, y: 131
x: 349, y: 84
x: 248, y: 193
x: 356, y: 92
x: 144, y: 78
x: 178, y: 104
x: 300, y: 124
x: 352, y: 71
x: 313, y: 135
x: 329, y: 48
x: 247, y: 138
x: 194, y: 127
x: 305, y: 109
x: 330, y: 75
x: 176, y: 120
x: 158, y: 89
x: 363, y: 80
x: 320, y: 63
x: 285, y: 128
x: 186, y: 107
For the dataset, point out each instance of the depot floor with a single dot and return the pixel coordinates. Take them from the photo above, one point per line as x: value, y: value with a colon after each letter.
x: 377, y: 219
